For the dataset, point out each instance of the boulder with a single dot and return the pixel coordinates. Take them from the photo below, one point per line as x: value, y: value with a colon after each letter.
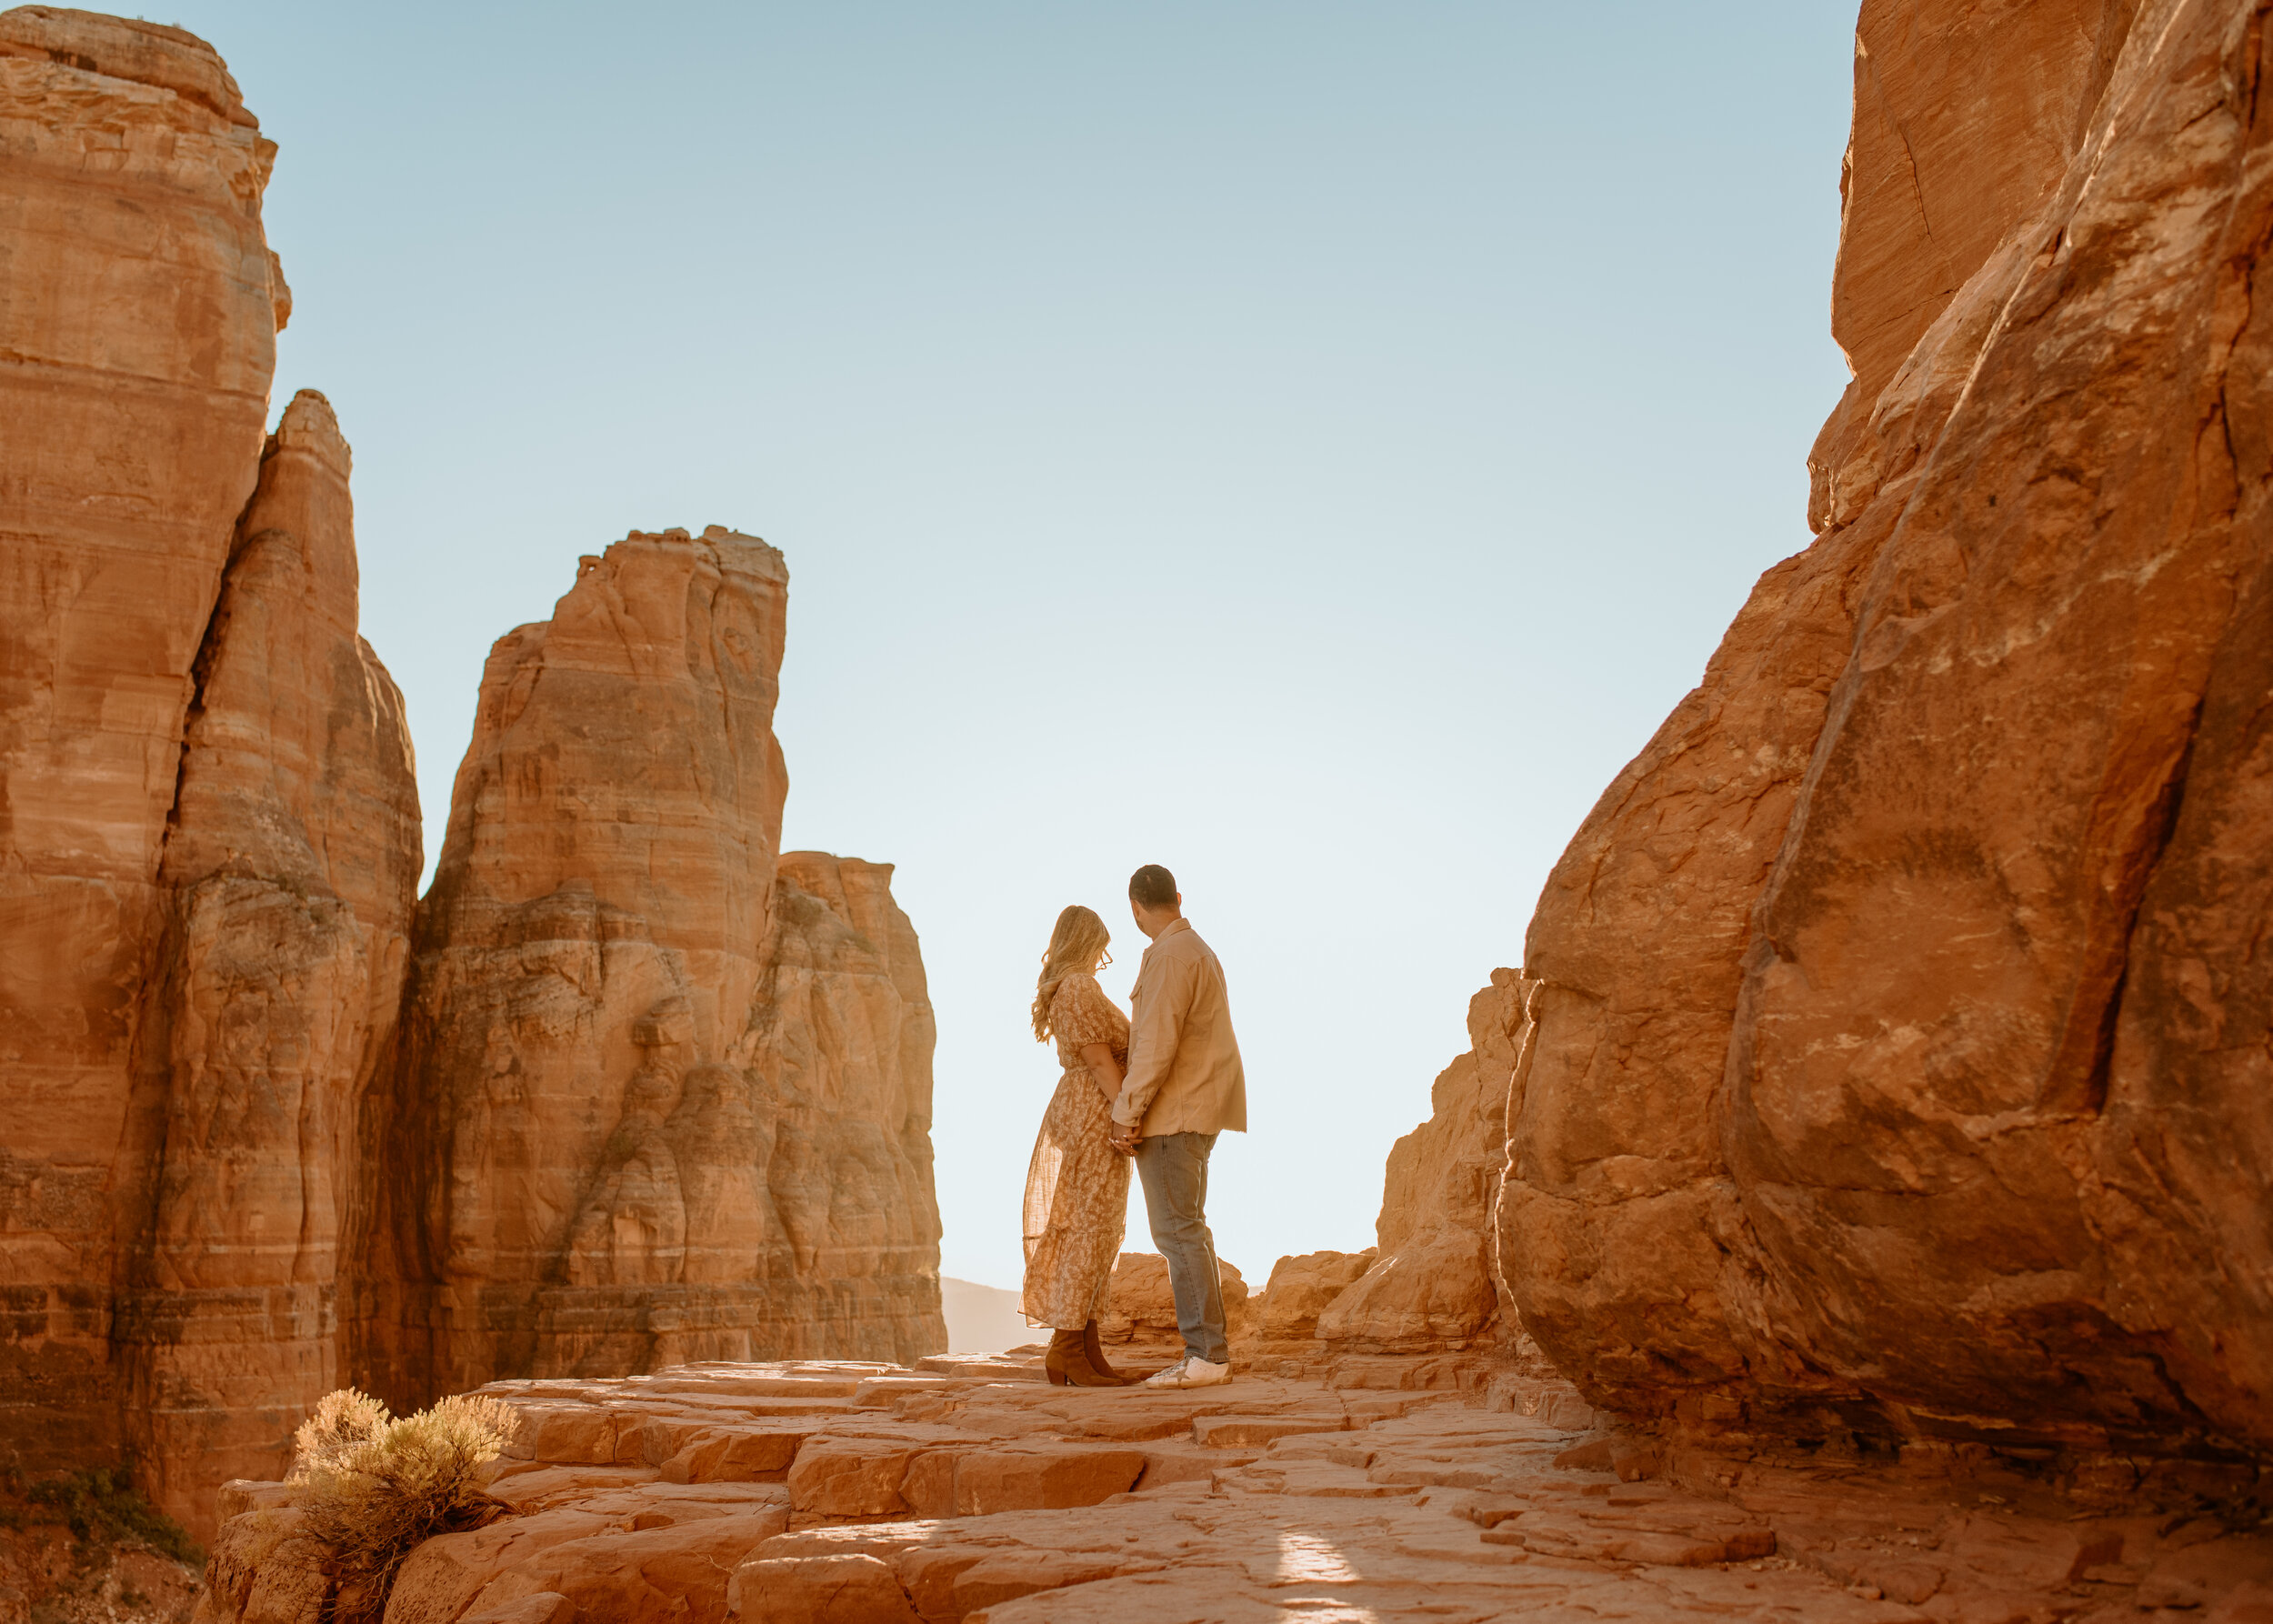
x: 647, y: 1576
x: 1140, y: 1313
x: 1301, y: 1289
x: 852, y: 1588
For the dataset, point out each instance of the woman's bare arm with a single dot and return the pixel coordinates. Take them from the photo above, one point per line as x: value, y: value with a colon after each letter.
x: 1104, y: 1070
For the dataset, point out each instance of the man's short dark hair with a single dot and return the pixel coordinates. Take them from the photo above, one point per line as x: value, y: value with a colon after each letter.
x: 1152, y: 887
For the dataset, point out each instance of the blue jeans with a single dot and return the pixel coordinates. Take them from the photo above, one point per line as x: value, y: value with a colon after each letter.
x: 1173, y: 1169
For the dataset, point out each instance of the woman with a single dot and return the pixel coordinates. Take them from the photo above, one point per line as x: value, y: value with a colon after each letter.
x: 1077, y: 1185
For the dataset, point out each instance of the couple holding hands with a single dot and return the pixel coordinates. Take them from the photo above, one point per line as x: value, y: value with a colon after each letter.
x: 1152, y: 1087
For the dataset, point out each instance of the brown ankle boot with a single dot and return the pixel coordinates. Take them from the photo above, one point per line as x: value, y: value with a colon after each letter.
x: 1094, y: 1351
x: 1065, y: 1350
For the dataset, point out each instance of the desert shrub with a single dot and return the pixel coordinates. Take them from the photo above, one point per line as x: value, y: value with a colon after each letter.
x: 371, y: 1487
x: 344, y: 1421
x: 101, y: 1506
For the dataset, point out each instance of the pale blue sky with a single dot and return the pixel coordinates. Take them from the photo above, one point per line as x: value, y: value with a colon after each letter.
x: 1308, y: 444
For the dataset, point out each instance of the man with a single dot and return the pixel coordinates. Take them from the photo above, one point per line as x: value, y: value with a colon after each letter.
x: 1184, y: 1087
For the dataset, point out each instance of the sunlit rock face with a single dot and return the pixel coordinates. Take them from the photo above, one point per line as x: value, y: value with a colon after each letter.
x: 1430, y: 1286
x: 137, y: 336
x: 840, y: 1044
x: 664, y: 1097
x: 1902, y: 1058
x: 287, y: 887
x: 669, y: 1094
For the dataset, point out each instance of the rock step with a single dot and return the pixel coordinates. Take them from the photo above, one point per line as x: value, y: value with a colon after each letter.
x: 982, y: 1368
x: 751, y: 1387
x: 1231, y: 1431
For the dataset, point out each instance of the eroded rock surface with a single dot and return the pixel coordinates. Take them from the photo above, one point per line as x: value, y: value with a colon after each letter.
x: 1432, y: 1286
x: 1137, y: 1327
x: 841, y: 1037
x: 1902, y: 1042
x: 137, y: 344
x: 665, y: 1096
x: 1428, y: 1288
x: 670, y: 1091
x: 968, y: 1489
x: 287, y: 883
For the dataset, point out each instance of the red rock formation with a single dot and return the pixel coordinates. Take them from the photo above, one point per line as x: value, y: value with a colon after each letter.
x: 1303, y: 1288
x: 846, y: 1494
x: 653, y: 1108
x: 1431, y: 1288
x: 1427, y: 1288
x: 683, y: 1097
x: 1138, y: 1325
x: 287, y: 879
x: 1902, y: 1051
x: 840, y: 1042
x: 136, y: 343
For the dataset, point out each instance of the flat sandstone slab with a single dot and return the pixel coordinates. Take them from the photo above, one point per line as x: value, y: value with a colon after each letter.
x: 993, y: 1502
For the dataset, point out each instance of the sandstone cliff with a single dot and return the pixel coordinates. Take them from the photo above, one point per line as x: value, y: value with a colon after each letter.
x: 653, y: 1106
x: 678, y: 1088
x: 136, y: 343
x: 1902, y: 1042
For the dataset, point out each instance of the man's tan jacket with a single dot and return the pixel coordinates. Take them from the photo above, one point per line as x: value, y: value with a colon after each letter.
x: 1184, y: 1071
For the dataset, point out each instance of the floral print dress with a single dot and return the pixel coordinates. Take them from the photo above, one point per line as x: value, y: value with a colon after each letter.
x: 1077, y: 1185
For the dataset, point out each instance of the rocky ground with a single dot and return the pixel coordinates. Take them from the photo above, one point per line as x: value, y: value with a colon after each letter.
x: 50, y: 1575
x: 968, y: 1489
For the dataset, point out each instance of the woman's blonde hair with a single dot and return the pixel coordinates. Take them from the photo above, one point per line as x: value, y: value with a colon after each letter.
x: 1079, y: 937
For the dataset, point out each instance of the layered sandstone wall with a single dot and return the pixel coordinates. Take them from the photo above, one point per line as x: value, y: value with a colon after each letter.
x: 669, y: 1095
x: 289, y: 870
x: 659, y: 1100
x: 1902, y: 1041
x: 137, y: 336
x: 840, y: 1043
x: 781, y: 1205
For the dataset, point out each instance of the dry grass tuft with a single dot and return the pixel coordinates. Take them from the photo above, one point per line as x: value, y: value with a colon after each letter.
x: 370, y: 1487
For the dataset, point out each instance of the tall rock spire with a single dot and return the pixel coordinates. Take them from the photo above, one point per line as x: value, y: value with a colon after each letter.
x: 287, y: 881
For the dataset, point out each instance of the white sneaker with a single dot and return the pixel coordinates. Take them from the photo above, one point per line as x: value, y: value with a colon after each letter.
x: 1190, y: 1372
